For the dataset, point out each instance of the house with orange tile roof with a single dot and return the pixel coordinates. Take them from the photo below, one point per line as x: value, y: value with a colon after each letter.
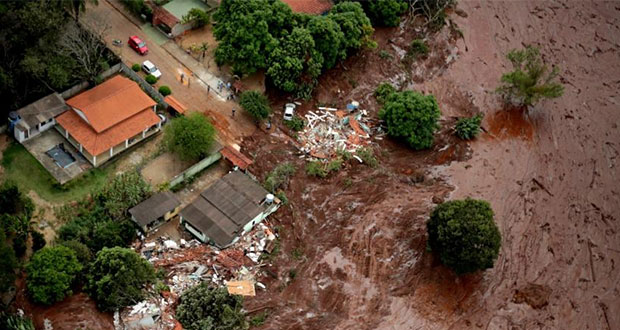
x: 108, y: 119
x: 311, y: 7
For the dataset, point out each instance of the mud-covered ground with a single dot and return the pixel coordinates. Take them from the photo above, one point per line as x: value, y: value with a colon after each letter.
x: 357, y: 247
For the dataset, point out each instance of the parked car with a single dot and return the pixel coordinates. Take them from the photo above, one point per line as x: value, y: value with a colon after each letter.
x: 138, y: 45
x: 150, y: 68
x: 289, y: 111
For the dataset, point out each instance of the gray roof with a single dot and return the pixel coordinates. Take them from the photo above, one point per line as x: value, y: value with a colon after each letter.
x: 42, y: 110
x: 221, y: 211
x: 154, y: 207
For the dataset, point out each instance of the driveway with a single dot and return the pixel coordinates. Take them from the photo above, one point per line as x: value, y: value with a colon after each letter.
x: 192, y: 91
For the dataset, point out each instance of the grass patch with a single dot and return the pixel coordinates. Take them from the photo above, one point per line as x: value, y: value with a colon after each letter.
x: 26, y: 171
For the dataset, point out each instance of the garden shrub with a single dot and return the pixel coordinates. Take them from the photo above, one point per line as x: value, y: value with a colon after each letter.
x: 468, y: 128
x: 165, y: 90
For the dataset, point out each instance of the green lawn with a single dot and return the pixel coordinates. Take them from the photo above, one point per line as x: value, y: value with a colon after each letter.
x: 23, y: 169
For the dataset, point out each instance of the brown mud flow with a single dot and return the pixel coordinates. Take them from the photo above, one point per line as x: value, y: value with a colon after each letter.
x: 551, y: 174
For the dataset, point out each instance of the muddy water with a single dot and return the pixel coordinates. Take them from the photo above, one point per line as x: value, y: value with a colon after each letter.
x: 550, y: 173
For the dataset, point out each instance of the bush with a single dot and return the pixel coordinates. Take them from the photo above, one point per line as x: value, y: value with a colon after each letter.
x: 150, y: 79
x: 38, y: 240
x: 258, y: 319
x: 202, y: 307
x: 81, y: 251
x: 385, y: 12
x: 116, y: 278
x: 418, y: 48
x: 255, y: 103
x: 368, y: 156
x: 123, y: 192
x: 165, y: 90
x: 412, y: 117
x: 383, y: 92
x: 296, y: 124
x: 8, y: 263
x: 136, y: 67
x: 464, y: 235
x: 198, y: 17
x: 51, y: 273
x: 316, y: 168
x: 468, y: 128
x: 531, y: 79
x: 190, y: 136
x: 278, y: 177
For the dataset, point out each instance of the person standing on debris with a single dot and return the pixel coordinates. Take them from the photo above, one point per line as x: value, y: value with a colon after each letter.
x: 228, y: 85
x: 208, y: 89
x: 182, y: 77
x: 233, y: 112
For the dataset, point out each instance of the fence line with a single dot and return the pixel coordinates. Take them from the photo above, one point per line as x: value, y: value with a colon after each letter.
x: 201, y: 165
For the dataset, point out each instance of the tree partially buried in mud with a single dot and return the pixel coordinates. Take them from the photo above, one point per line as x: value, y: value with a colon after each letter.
x: 116, y: 278
x: 203, y: 307
x: 531, y: 80
x: 51, y: 273
x: 410, y: 117
x: 464, y: 235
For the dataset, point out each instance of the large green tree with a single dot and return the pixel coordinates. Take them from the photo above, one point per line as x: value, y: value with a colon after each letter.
x: 244, y: 32
x: 205, y: 308
x: 117, y: 277
x: 531, y: 80
x: 295, y: 63
x: 190, y: 136
x: 51, y: 273
x: 411, y: 117
x: 328, y: 40
x: 354, y: 24
x: 464, y: 235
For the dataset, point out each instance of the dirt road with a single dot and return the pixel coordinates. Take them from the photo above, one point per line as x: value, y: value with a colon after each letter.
x: 550, y: 173
x: 194, y: 95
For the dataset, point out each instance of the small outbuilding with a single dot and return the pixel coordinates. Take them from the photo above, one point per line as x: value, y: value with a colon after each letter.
x: 155, y: 211
x: 228, y: 209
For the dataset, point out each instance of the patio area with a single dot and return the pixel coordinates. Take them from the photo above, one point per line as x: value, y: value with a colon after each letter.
x: 57, y: 155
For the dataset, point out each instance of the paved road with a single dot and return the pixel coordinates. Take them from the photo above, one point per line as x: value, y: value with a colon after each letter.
x: 192, y: 92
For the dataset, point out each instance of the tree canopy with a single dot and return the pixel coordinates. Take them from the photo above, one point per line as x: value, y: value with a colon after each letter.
x: 103, y: 220
x: 464, y: 235
x: 354, y: 24
x: 411, y: 117
x: 531, y: 80
x: 206, y: 308
x: 190, y: 136
x: 8, y: 263
x: 385, y: 12
x: 50, y: 274
x: 295, y: 61
x: 116, y: 278
x: 255, y: 103
x: 293, y: 48
x: 32, y: 62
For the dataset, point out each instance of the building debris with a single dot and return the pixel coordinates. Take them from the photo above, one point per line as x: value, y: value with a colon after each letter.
x: 243, y: 288
x: 330, y: 130
x: 188, y: 263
